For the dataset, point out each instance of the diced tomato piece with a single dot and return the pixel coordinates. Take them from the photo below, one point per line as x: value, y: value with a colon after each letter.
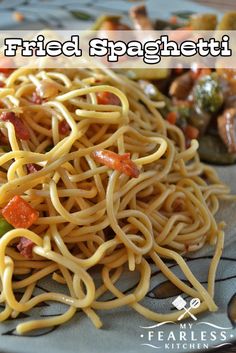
x: 63, y: 127
x: 22, y: 131
x: 25, y: 247
x: 36, y: 99
x: 6, y: 65
x: 19, y: 213
x: 107, y: 98
x: 191, y: 132
x: 172, y: 117
x: 122, y: 163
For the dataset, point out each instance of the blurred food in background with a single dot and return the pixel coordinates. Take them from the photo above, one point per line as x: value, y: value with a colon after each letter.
x: 201, y: 101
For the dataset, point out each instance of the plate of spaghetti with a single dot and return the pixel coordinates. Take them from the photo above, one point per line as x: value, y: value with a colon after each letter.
x: 108, y: 221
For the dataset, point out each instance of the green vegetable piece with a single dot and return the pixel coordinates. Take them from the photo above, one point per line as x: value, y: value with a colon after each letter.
x: 212, y: 150
x: 83, y: 16
x: 183, y: 14
x: 4, y: 226
x: 203, y: 22
x: 228, y: 22
x: 208, y: 94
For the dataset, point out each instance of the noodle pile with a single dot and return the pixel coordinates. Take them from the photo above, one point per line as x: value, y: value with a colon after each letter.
x: 92, y: 215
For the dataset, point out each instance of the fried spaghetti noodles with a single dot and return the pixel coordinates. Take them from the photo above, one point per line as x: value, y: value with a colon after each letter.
x: 100, y: 179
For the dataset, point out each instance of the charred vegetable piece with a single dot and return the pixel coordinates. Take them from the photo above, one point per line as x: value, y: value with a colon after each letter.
x: 227, y: 129
x: 115, y: 161
x: 19, y: 213
x: 212, y: 150
x: 228, y: 22
x: 227, y: 79
x: 4, y: 226
x: 200, y: 119
x: 140, y: 18
x: 207, y: 93
x: 181, y: 86
x: 201, y: 22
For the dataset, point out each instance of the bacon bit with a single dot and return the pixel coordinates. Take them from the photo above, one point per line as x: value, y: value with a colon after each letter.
x: 36, y: 99
x: 2, y: 84
x: 18, y: 16
x: 107, y: 98
x: 25, y: 247
x: 63, y: 127
x: 122, y: 163
x: 6, y: 65
x: 47, y: 89
x: 172, y: 117
x: 22, y: 131
x: 32, y: 167
x: 191, y: 132
x: 19, y: 213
